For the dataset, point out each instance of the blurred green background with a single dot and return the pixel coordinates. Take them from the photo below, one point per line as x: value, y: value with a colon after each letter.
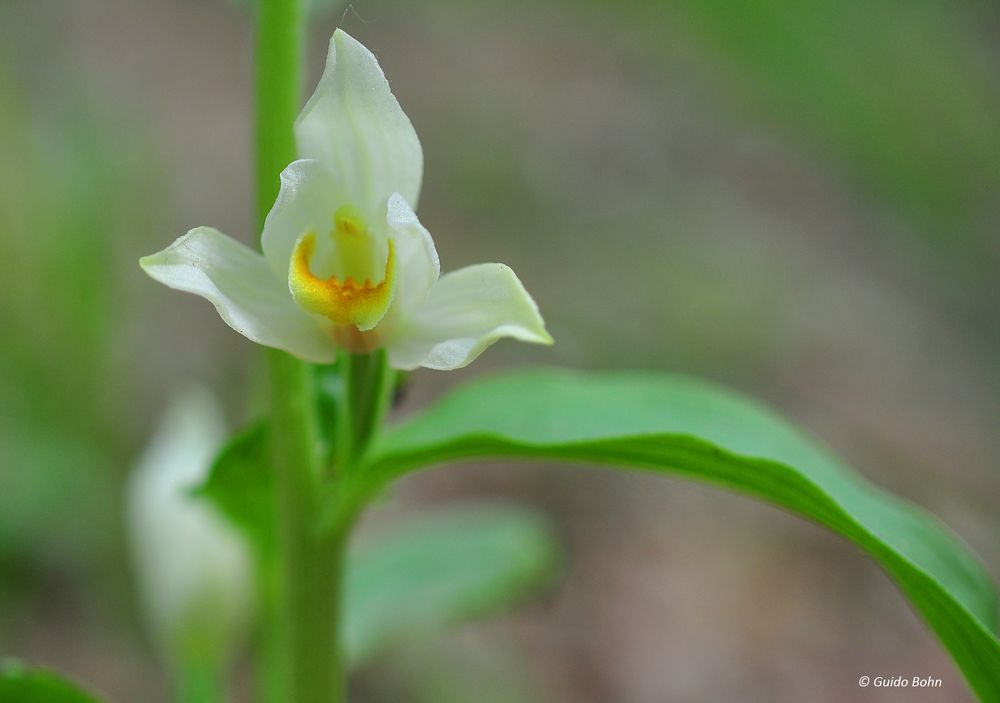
x: 799, y: 198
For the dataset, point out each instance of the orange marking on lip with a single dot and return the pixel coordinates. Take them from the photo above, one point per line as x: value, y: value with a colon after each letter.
x: 344, y: 302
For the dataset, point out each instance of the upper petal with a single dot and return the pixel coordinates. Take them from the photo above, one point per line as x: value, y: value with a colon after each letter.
x: 419, y: 266
x: 247, y: 294
x: 354, y: 124
x: 310, y: 193
x: 465, y: 312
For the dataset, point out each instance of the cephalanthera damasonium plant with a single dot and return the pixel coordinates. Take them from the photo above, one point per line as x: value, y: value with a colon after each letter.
x: 347, y: 289
x: 346, y: 265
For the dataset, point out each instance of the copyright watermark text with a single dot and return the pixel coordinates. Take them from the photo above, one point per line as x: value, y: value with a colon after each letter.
x: 899, y: 682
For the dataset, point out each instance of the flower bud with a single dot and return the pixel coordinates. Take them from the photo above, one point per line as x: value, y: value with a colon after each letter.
x: 192, y: 567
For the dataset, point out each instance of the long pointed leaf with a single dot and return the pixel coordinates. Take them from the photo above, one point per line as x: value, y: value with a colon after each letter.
x: 675, y: 425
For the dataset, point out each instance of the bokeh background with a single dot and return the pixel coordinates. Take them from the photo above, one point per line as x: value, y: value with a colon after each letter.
x: 798, y: 198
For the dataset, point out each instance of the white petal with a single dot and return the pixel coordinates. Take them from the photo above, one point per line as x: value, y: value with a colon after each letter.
x: 419, y: 266
x: 465, y: 312
x: 247, y: 294
x: 310, y: 194
x: 193, y: 568
x: 354, y: 125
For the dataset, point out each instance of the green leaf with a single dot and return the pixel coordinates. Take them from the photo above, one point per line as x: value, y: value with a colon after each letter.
x: 446, y: 567
x: 241, y: 485
x: 675, y: 425
x: 21, y: 684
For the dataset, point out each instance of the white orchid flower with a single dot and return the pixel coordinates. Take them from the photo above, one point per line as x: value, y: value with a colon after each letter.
x: 346, y: 264
x: 193, y: 569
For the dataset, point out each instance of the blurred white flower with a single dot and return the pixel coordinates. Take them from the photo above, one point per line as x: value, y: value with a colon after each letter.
x: 346, y: 263
x: 193, y: 569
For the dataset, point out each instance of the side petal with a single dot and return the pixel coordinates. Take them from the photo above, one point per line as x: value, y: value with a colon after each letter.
x: 419, y: 266
x: 310, y: 194
x: 248, y: 296
x: 465, y: 312
x: 354, y: 125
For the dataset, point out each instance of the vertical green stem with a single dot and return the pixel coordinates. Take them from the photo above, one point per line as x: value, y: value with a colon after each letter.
x: 200, y: 681
x: 279, y: 71
x: 268, y: 677
x: 310, y: 564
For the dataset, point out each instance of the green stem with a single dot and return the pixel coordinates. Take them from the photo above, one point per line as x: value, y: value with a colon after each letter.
x: 199, y: 672
x: 310, y: 664
x: 279, y: 71
x: 309, y: 563
x: 199, y: 681
x: 268, y: 677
